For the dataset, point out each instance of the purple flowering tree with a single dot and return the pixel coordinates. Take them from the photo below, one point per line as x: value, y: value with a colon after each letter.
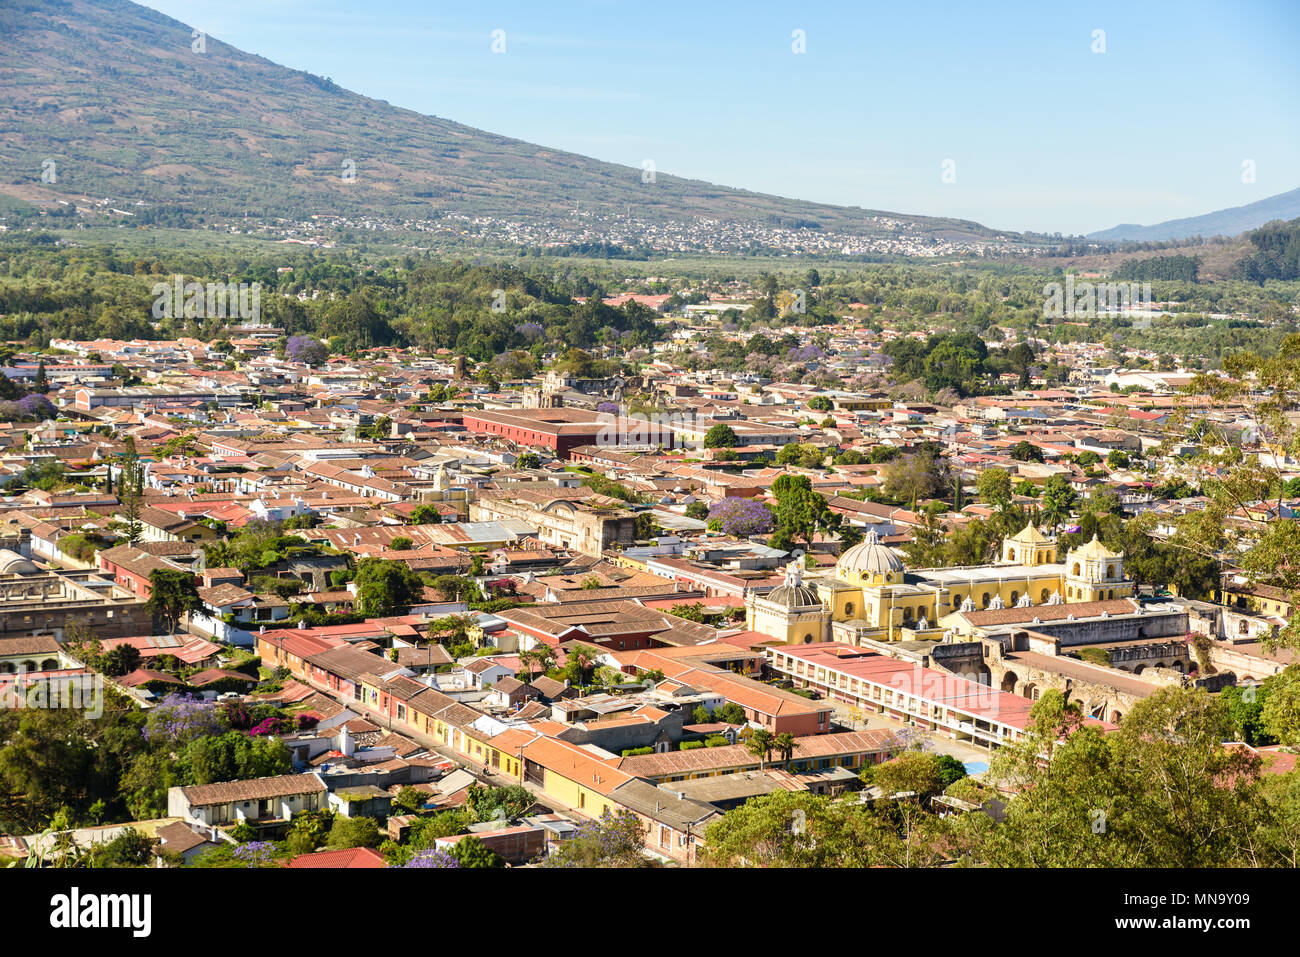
x: 35, y: 407
x: 615, y: 840
x: 435, y: 858
x: 805, y: 353
x: 180, y: 718
x: 255, y: 853
x: 306, y: 349
x: 740, y: 517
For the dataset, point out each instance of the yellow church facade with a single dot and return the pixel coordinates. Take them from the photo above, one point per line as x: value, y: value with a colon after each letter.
x: 871, y: 596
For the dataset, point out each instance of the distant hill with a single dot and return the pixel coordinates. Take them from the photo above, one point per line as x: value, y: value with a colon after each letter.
x: 1224, y: 222
x: 112, y: 92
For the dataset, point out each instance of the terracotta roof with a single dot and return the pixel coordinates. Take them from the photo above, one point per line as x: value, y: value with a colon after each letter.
x: 352, y: 857
x: 255, y: 789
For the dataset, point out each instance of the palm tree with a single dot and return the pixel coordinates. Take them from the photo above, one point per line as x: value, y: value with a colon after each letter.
x: 760, y: 744
x: 785, y: 745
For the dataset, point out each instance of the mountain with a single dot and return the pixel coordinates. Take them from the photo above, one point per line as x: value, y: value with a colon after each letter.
x: 114, y: 94
x: 1223, y: 222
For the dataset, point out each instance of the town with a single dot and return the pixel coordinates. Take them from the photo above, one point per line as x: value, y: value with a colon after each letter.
x: 754, y: 440
x: 384, y: 605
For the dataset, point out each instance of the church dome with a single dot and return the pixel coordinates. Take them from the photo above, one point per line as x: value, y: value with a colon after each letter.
x: 793, y: 593
x: 793, y: 596
x: 869, y: 557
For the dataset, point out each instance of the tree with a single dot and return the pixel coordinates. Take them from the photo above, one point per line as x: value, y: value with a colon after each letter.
x: 172, y: 595
x: 820, y: 403
x: 130, y: 492
x: 1252, y: 407
x: 1280, y: 711
x: 740, y: 517
x: 730, y: 713
x: 528, y: 460
x: 919, y: 772
x: 1163, y: 791
x: 799, y: 512
x: 119, y: 661
x: 347, y: 832
x: 615, y: 840
x: 1026, y: 451
x: 994, y: 487
x: 913, y: 478
x: 129, y: 849
x: 646, y: 526
x: 1059, y: 499
x: 720, y: 436
x: 1021, y: 358
x: 386, y: 587
x: 470, y: 851
x: 306, y: 349
x: 760, y: 743
x: 505, y: 803
x: 785, y: 745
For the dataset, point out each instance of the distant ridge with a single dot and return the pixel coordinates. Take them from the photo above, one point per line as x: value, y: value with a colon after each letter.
x: 1223, y: 222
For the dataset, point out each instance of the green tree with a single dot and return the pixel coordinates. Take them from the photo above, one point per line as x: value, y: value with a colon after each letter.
x: 1026, y: 451
x: 172, y: 595
x: 347, y: 832
x: 760, y: 743
x: 1059, y: 499
x: 386, y: 587
x: 470, y: 851
x: 720, y: 436
x: 994, y: 487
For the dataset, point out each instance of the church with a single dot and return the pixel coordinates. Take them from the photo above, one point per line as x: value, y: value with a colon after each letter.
x: 871, y: 596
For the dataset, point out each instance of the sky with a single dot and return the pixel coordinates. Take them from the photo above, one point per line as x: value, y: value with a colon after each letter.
x: 1019, y: 115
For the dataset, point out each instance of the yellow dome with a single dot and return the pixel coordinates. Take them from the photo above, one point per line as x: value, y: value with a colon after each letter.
x: 869, y: 557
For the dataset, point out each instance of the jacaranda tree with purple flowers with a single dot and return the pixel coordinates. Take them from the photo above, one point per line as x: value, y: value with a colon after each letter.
x: 180, y: 718
x: 615, y: 840
x: 740, y: 517
x: 433, y: 859
x: 306, y: 349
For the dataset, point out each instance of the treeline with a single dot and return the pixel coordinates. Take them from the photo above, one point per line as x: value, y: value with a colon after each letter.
x: 477, y: 310
x: 1178, y: 267
x: 1277, y: 253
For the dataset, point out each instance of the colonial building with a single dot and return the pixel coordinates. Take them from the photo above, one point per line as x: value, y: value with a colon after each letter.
x: 871, y: 596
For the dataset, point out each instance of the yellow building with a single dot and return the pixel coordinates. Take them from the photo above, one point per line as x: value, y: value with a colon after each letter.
x: 871, y: 596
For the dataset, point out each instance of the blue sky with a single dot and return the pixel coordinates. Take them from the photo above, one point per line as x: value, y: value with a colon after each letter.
x: 1044, y: 134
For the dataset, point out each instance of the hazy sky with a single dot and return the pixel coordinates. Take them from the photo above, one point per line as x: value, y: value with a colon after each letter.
x: 1043, y: 133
